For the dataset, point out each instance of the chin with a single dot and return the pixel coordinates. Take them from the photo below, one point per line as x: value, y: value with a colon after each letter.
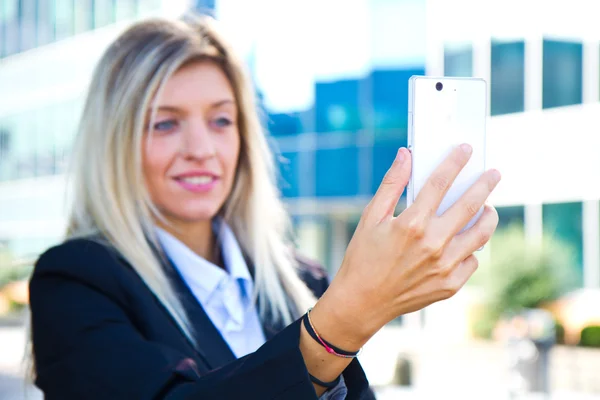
x: 197, y: 214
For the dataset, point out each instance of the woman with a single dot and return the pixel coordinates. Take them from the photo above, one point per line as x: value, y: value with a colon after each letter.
x: 177, y: 280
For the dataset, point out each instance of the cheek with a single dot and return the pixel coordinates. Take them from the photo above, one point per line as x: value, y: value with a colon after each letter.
x: 157, y: 158
x: 232, y: 153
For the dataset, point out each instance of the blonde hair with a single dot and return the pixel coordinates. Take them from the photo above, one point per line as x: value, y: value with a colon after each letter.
x: 110, y: 197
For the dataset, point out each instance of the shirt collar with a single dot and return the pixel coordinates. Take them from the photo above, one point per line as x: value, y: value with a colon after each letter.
x: 201, y: 275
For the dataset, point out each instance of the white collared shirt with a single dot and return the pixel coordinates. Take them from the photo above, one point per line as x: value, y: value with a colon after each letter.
x: 225, y: 295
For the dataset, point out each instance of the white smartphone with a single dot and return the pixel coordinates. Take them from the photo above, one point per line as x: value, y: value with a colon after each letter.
x: 444, y: 112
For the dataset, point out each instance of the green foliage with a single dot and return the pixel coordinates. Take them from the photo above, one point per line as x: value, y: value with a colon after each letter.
x: 521, y: 275
x: 560, y: 333
x: 12, y: 273
x: 590, y: 336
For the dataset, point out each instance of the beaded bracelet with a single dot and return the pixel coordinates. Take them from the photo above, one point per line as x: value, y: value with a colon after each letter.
x: 331, y: 349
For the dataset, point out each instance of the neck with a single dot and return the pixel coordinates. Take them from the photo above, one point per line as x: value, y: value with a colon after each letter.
x: 198, y: 237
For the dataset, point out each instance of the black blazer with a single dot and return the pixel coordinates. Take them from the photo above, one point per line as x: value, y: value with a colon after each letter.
x: 100, y: 333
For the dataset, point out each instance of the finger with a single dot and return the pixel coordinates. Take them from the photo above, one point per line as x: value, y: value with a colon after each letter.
x: 430, y: 196
x: 460, y: 213
x: 395, y: 180
x: 466, y: 243
x: 461, y: 275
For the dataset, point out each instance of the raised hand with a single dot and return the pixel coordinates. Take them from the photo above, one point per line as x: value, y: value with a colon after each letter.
x: 399, y: 264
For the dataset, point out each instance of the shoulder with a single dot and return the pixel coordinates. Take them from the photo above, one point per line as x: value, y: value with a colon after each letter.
x: 312, y: 273
x: 88, y: 259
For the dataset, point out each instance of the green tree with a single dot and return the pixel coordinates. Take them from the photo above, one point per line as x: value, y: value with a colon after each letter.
x: 521, y: 275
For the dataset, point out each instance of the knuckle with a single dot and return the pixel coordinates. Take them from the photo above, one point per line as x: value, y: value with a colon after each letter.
x: 450, y: 288
x: 495, y: 217
x: 415, y: 228
x: 389, y: 179
x: 440, y: 182
x: 483, y: 236
x: 472, y: 208
x: 434, y: 248
x: 475, y: 264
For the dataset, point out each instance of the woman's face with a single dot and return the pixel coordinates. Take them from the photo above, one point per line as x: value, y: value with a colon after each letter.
x: 193, y: 144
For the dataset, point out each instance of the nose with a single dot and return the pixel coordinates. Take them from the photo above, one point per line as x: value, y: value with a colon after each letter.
x: 197, y: 141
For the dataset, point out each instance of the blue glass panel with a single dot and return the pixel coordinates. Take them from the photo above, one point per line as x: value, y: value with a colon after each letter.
x: 383, y: 156
x: 458, y: 60
x: 565, y: 221
x: 507, y: 82
x: 513, y: 215
x: 390, y: 102
x: 288, y: 176
x: 563, y: 73
x: 337, y: 106
x: 337, y: 172
x: 284, y: 124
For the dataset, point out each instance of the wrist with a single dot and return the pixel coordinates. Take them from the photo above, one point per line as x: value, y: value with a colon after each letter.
x: 343, y: 322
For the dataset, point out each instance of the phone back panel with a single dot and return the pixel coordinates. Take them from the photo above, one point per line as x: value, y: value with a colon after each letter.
x: 440, y: 120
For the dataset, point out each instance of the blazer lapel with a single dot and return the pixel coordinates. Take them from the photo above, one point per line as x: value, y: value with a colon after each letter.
x: 209, y: 342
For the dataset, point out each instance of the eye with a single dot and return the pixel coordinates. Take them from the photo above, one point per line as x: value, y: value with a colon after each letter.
x: 222, y: 122
x: 165, y: 126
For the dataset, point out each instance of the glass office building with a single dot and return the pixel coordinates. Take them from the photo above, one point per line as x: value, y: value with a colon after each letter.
x: 334, y: 92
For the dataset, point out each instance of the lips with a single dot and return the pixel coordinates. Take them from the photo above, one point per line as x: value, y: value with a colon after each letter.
x: 197, y: 182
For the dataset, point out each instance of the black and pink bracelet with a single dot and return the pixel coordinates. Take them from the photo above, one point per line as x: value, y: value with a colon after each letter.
x: 331, y: 349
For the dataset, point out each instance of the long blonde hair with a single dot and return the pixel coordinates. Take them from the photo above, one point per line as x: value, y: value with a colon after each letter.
x: 110, y: 197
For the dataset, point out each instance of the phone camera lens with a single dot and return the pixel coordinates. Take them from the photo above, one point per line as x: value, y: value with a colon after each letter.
x: 439, y: 86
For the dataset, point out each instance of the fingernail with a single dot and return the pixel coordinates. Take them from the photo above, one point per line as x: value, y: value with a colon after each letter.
x: 466, y: 148
x: 400, y: 155
x: 496, y: 175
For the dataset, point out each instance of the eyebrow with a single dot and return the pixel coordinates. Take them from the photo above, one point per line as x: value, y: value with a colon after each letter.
x: 177, y: 109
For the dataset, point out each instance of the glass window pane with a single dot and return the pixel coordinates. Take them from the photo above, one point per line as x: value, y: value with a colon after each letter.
x: 45, y: 22
x: 337, y: 106
x: 45, y: 143
x: 66, y: 120
x: 383, y: 156
x: 148, y: 6
x: 104, y: 12
x: 126, y: 9
x: 458, y: 59
x: 289, y: 174
x: 64, y: 24
x: 24, y: 152
x: 337, y: 172
x: 5, y: 148
x: 507, y: 81
x: 563, y: 73
x: 84, y: 16
x: 564, y: 220
x: 389, y: 91
x: 281, y: 124
x: 28, y: 26
x: 508, y: 216
x: 11, y: 32
x: 2, y: 30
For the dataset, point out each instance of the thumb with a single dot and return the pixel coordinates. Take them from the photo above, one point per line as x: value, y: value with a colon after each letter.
x: 388, y: 194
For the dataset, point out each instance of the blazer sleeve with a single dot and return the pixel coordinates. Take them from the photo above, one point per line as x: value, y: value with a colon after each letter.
x: 86, y: 346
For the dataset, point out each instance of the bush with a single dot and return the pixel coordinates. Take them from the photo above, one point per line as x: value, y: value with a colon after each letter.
x: 10, y: 274
x: 521, y: 275
x: 560, y: 333
x: 590, y: 336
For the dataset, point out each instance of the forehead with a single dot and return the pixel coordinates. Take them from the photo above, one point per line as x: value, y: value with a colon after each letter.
x: 201, y: 82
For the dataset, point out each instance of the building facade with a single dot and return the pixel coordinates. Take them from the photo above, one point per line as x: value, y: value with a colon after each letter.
x: 333, y: 86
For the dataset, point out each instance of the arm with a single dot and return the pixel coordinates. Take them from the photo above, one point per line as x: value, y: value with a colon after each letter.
x: 85, y: 342
x: 87, y: 346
